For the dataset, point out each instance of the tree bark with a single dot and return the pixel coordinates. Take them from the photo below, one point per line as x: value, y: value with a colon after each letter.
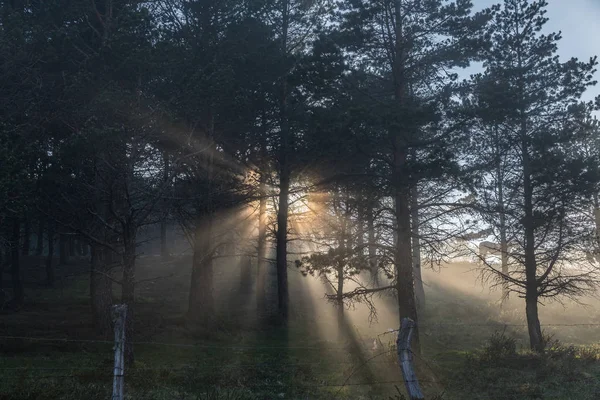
x: 416, y: 248
x: 71, y: 242
x: 372, y: 250
x: 39, y: 247
x: 79, y: 246
x: 128, y: 293
x: 245, y: 275
x: 503, y: 239
x: 596, y: 212
x: 281, y: 250
x: 284, y: 186
x: 164, y: 250
x: 62, y: 244
x: 201, y: 307
x: 15, y: 268
x: 403, y: 249
x: 531, y: 289
x: 341, y: 262
x: 100, y: 292
x: 403, y: 253
x: 262, y: 248
x: 26, y: 236
x: 201, y: 303
x: 49, y: 265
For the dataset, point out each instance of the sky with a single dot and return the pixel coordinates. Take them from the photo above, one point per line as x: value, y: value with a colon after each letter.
x: 579, y: 22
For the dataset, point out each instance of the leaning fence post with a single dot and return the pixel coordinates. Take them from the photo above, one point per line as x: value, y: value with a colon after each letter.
x: 405, y: 358
x: 119, y: 314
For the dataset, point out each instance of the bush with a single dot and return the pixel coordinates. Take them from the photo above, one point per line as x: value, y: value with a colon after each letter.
x: 500, y: 347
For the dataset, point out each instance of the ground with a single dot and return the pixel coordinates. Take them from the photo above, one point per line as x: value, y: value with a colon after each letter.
x: 471, y: 348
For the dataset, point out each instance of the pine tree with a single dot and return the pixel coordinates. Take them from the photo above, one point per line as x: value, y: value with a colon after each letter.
x: 535, y: 101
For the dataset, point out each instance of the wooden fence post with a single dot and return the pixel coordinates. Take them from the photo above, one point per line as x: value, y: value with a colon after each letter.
x: 405, y: 358
x: 119, y: 315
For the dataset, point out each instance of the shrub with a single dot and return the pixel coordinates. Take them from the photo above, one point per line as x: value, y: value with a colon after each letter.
x: 500, y: 347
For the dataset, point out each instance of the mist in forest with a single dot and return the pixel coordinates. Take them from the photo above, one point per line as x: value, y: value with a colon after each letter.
x: 299, y: 199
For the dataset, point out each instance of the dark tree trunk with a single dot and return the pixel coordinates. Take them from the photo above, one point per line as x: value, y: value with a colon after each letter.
x: 284, y: 183
x: 360, y: 229
x: 39, y: 247
x: 245, y: 274
x: 128, y: 293
x: 79, y: 247
x: 403, y: 258
x: 373, y: 268
x: 71, y: 242
x: 342, y: 219
x: 596, y: 212
x: 403, y: 248
x: 164, y: 249
x: 100, y: 292
x: 15, y: 266
x: 3, y: 297
x: 502, y: 215
x: 281, y: 250
x: 201, y: 307
x: 536, y: 340
x: 26, y: 236
x: 262, y: 248
x: 340, y: 281
x: 62, y: 249
x: 201, y: 303
x: 49, y: 258
x: 416, y: 248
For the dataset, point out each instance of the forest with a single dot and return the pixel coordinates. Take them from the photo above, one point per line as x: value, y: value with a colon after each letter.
x: 269, y: 187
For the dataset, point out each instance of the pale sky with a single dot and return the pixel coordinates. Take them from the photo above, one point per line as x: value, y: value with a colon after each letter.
x: 579, y: 22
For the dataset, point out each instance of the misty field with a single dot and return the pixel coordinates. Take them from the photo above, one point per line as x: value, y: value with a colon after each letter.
x: 471, y: 348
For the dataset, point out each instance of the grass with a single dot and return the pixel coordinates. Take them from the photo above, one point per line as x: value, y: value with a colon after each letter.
x: 237, y: 361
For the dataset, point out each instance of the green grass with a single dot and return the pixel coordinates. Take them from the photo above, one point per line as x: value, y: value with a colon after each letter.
x: 238, y: 362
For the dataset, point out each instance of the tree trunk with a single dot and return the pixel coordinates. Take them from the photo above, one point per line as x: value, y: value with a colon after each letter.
x: 360, y: 227
x: 403, y: 256
x: 502, y: 214
x: 245, y: 275
x: 503, y: 247
x: 71, y: 242
x: 3, y: 256
x: 416, y: 248
x: 39, y: 247
x: 340, y: 287
x: 128, y: 293
x: 281, y: 264
x: 340, y: 261
x: 403, y: 248
x: 262, y: 247
x: 79, y: 247
x: 164, y: 250
x: 62, y: 244
x: 201, y: 303
x: 536, y: 339
x: 596, y: 212
x: 49, y: 266
x: 284, y: 185
x: 100, y: 292
x: 531, y: 289
x: 26, y: 236
x: 15, y: 268
x: 374, y: 270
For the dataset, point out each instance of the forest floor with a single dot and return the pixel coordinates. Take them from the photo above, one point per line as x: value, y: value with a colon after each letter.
x: 471, y: 348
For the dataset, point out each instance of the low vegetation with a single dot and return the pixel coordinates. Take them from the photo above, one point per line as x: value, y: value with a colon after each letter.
x: 467, y: 353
